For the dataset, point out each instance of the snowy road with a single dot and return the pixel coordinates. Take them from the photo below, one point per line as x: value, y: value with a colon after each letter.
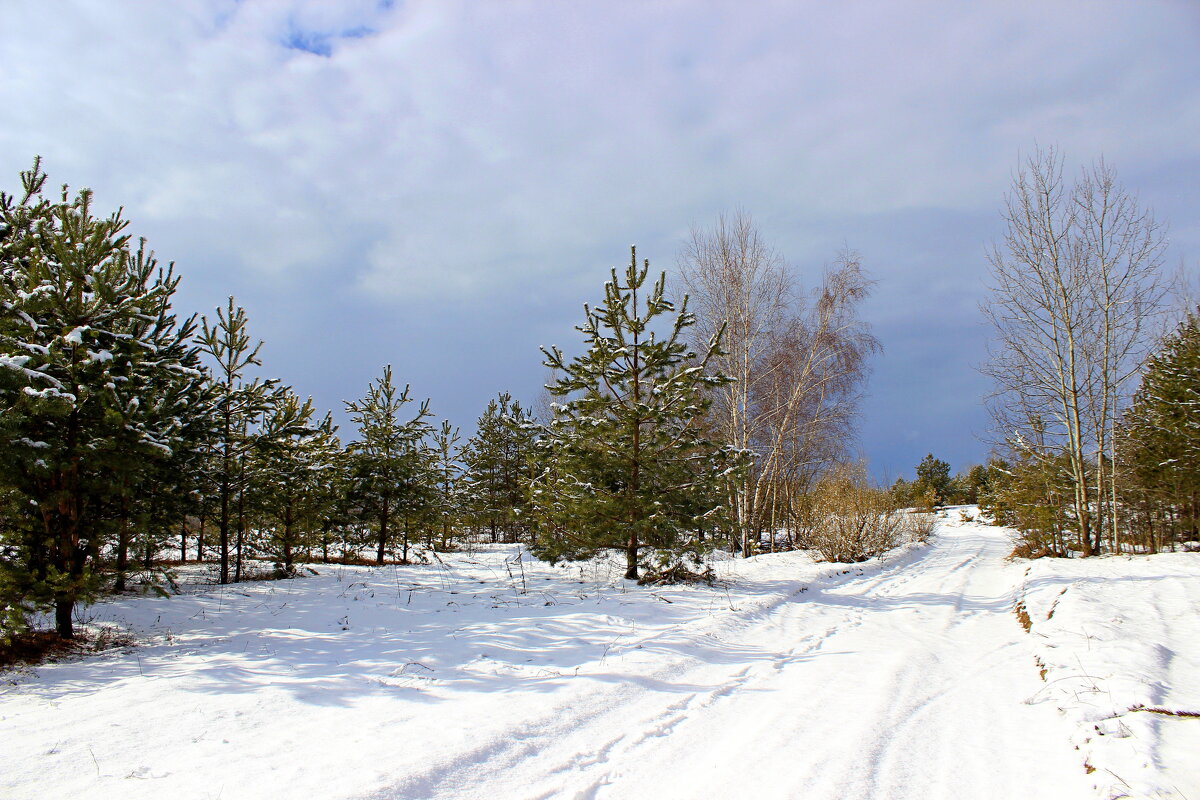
x: 906, y: 683
x: 494, y: 676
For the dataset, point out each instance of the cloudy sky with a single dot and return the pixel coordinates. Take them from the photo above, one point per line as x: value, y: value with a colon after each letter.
x: 440, y: 184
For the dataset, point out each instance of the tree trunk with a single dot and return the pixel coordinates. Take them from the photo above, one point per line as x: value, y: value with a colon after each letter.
x: 200, y: 541
x: 122, y: 553
x: 64, y: 600
x: 226, y: 488
x: 383, y: 524
x: 404, y: 554
x: 241, y: 534
x: 64, y: 606
x: 62, y: 529
x: 224, y: 522
x: 631, y: 557
x: 287, y: 538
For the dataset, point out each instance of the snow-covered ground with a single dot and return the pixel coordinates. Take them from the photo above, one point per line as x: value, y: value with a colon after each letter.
x: 1119, y: 639
x: 494, y: 676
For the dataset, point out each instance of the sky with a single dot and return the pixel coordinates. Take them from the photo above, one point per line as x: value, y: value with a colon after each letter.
x: 441, y: 184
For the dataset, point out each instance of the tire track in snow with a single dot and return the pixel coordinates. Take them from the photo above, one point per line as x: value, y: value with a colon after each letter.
x: 902, y: 681
x: 924, y: 711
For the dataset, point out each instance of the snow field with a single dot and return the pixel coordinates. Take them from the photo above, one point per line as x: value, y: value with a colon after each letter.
x: 495, y: 676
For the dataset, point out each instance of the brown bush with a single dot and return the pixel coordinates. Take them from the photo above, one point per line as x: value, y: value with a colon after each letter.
x: 920, y: 526
x: 1026, y: 548
x: 926, y: 501
x: 849, y: 520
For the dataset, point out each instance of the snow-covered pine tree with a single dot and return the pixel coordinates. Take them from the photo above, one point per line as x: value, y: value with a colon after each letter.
x: 238, y: 405
x: 335, y: 505
x: 1160, y: 450
x: 418, y: 507
x: 628, y: 465
x: 156, y: 494
x: 96, y: 383
x: 392, y: 470
x: 497, y: 460
x: 295, y: 455
x: 449, y: 495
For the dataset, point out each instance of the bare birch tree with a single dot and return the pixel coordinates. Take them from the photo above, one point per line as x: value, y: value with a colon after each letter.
x: 1075, y: 285
x: 738, y: 281
x: 798, y: 362
x: 810, y: 385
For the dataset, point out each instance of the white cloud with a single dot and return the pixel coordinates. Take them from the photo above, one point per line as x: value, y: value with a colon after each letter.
x: 462, y: 133
x: 434, y: 149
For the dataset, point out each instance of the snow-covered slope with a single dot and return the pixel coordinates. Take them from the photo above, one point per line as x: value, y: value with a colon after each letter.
x: 492, y: 676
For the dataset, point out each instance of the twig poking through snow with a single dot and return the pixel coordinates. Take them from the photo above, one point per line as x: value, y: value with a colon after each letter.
x: 1166, y: 711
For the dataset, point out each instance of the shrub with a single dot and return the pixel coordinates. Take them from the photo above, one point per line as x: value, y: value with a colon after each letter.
x: 925, y: 501
x: 920, y: 526
x: 849, y: 520
x: 1027, y: 548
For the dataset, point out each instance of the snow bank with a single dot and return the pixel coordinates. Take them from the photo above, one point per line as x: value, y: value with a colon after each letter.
x: 1117, y: 637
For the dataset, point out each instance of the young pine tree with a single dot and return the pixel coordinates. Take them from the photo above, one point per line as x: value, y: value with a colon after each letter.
x: 238, y: 406
x: 1161, y: 435
x: 628, y: 465
x: 155, y: 495
x: 448, y: 493
x: 497, y: 461
x: 392, y: 473
x: 933, y: 479
x: 97, y: 382
x: 295, y: 457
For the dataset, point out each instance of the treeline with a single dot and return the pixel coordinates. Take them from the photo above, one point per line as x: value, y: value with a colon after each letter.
x: 935, y: 486
x: 1088, y: 461
x: 129, y: 435
x: 131, y: 438
x: 1151, y: 495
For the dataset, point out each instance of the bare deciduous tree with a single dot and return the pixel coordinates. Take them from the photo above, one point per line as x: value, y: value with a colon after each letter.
x: 798, y: 363
x: 810, y: 386
x: 1075, y: 285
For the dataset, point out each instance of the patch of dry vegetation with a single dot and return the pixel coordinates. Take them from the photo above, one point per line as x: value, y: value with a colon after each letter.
x: 849, y: 520
x: 31, y: 648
